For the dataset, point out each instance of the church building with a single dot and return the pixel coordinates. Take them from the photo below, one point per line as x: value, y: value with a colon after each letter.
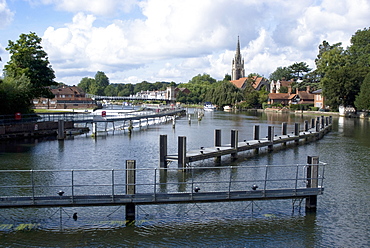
x: 238, y: 64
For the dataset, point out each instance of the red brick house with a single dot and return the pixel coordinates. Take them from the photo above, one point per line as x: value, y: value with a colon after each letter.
x: 66, y: 97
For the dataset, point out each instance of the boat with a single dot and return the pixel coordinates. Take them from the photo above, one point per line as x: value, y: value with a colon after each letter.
x: 227, y: 108
x: 209, y: 107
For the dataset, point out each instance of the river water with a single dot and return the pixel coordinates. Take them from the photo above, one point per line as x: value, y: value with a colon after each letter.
x: 342, y: 218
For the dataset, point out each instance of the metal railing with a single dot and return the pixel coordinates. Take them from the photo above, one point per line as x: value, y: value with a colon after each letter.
x: 34, y: 183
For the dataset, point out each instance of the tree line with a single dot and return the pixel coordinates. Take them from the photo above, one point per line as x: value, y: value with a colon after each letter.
x: 342, y: 73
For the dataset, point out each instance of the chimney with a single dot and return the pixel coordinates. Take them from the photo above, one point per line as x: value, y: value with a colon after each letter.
x: 296, y: 91
x: 308, y: 89
x: 289, y: 89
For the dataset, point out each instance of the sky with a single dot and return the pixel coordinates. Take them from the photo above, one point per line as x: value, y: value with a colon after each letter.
x: 174, y: 40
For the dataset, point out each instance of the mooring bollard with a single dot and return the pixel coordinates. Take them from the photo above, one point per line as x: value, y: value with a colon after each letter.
x: 61, y: 134
x: 234, y: 143
x: 284, y: 130
x: 217, y: 143
x: 296, y: 132
x: 181, y: 149
x: 162, y: 151
x: 270, y: 137
x: 256, y: 136
x: 130, y: 188
x: 312, y: 181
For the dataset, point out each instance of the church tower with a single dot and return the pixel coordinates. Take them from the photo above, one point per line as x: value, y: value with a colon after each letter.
x: 238, y: 64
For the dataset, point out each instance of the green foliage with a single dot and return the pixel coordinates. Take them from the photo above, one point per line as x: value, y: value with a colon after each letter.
x: 343, y: 71
x: 281, y: 73
x: 15, y: 95
x: 298, y: 69
x: 224, y: 94
x: 29, y: 59
x: 362, y: 101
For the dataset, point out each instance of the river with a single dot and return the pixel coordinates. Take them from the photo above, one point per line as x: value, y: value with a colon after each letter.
x: 343, y: 211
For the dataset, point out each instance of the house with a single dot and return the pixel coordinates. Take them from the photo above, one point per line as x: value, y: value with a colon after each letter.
x: 300, y: 97
x: 276, y: 85
x: 319, y: 100
x: 65, y: 97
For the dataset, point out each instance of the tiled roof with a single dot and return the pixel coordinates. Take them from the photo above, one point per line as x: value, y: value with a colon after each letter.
x: 239, y: 83
x: 281, y: 96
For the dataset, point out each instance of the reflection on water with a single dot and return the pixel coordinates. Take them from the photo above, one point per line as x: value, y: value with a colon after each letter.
x: 341, y: 220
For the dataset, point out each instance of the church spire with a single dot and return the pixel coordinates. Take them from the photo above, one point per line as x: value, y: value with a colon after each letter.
x: 238, y: 64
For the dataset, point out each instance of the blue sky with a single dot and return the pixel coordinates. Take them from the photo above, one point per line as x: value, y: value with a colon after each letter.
x: 172, y: 40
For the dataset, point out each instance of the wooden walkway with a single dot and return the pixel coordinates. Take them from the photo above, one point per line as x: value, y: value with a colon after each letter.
x: 319, y: 127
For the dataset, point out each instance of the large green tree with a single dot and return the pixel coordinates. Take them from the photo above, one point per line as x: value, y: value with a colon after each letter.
x: 281, y: 73
x: 28, y: 58
x: 15, y: 95
x: 362, y: 101
x: 343, y: 71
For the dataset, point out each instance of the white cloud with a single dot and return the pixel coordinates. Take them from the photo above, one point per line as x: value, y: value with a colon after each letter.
x: 6, y: 15
x: 176, y: 40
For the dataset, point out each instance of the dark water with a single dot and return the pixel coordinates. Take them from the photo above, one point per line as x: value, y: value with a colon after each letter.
x: 342, y: 218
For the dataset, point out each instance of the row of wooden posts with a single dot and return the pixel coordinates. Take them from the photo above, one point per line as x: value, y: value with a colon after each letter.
x: 312, y: 130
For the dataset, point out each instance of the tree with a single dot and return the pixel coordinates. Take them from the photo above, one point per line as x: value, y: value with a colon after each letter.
x: 362, y: 101
x: 281, y: 73
x: 298, y: 69
x: 85, y: 84
x: 28, y: 58
x: 224, y: 94
x: 15, y: 95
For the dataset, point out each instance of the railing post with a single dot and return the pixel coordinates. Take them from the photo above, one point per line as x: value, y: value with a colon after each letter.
x: 181, y: 150
x: 72, y: 186
x: 313, y: 123
x: 217, y: 143
x: 130, y: 188
x: 256, y: 136
x: 312, y: 181
x: 162, y: 151
x: 234, y: 143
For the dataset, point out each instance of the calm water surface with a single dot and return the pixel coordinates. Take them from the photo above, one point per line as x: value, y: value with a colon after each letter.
x: 342, y: 218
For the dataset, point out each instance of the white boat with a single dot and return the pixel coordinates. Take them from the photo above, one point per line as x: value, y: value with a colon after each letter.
x: 209, y: 107
x: 227, y: 108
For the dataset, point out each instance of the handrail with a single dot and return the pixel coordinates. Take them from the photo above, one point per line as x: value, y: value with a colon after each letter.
x: 113, y: 181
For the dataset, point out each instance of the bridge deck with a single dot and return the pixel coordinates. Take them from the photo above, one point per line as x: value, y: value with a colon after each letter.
x: 159, y: 198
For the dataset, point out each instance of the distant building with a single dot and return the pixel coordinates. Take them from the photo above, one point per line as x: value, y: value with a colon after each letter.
x: 65, y: 97
x: 255, y: 82
x: 300, y: 97
x: 237, y: 64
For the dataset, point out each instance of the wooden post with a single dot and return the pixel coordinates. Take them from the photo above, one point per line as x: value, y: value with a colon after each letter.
x: 322, y: 122
x: 284, y: 130
x: 270, y: 136
x: 181, y: 150
x: 306, y: 126
x: 162, y: 151
x: 61, y: 134
x: 296, y: 132
x: 256, y: 136
x: 313, y: 123
x: 217, y: 143
x: 234, y: 143
x: 130, y: 189
x: 312, y: 181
